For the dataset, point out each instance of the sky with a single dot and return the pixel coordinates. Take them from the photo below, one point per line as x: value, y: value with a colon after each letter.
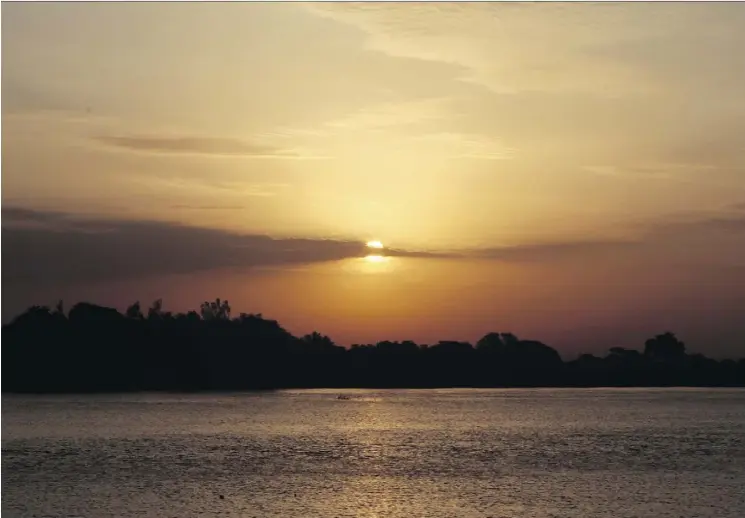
x: 570, y: 172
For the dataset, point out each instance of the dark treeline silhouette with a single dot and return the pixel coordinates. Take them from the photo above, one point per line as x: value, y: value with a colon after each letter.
x: 97, y: 349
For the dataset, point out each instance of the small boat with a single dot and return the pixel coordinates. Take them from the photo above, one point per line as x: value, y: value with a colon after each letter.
x: 343, y: 396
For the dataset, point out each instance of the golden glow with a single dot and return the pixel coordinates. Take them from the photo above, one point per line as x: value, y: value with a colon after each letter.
x: 412, y: 156
x: 373, y: 263
x: 355, y: 161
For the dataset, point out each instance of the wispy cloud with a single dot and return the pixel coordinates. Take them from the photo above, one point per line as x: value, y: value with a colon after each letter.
x: 379, y: 116
x: 547, y: 47
x: 651, y: 171
x: 424, y: 116
x: 212, y: 146
x: 463, y: 145
x: 394, y: 114
x: 20, y: 98
x: 216, y: 188
x: 555, y: 251
x: 185, y: 206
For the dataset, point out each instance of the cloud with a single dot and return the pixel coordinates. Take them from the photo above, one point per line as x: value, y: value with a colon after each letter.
x: 191, y: 145
x: 204, y: 187
x: 713, y: 239
x: 394, y: 114
x: 55, y: 248
x: 731, y: 224
x: 22, y: 98
x: 583, y: 250
x: 25, y: 103
x: 420, y: 120
x: 207, y: 207
x: 603, y: 49
x: 379, y: 116
x: 685, y: 173
x: 463, y: 145
x: 47, y: 247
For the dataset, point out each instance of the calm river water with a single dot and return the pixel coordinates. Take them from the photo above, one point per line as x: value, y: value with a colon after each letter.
x: 399, y: 453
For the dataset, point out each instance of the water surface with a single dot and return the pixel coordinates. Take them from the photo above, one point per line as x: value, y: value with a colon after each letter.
x: 397, y: 453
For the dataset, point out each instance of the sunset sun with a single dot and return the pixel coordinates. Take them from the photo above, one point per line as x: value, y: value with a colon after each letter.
x: 374, y: 244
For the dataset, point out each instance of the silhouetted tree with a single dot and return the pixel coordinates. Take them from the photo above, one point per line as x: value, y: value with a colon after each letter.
x: 318, y: 342
x: 95, y: 348
x: 664, y: 347
x: 491, y: 342
x: 624, y: 354
x: 134, y: 311
x: 156, y: 310
x: 217, y: 310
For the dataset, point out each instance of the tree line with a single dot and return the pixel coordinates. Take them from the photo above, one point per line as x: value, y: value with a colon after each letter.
x: 98, y: 349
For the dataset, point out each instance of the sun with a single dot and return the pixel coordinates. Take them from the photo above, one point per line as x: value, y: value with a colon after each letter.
x: 374, y: 244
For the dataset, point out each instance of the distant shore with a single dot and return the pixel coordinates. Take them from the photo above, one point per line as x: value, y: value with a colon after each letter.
x: 97, y: 350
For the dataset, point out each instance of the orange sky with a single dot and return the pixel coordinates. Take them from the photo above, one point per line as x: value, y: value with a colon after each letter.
x: 569, y: 172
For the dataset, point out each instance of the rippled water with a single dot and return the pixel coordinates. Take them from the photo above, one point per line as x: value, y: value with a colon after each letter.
x: 427, y: 453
